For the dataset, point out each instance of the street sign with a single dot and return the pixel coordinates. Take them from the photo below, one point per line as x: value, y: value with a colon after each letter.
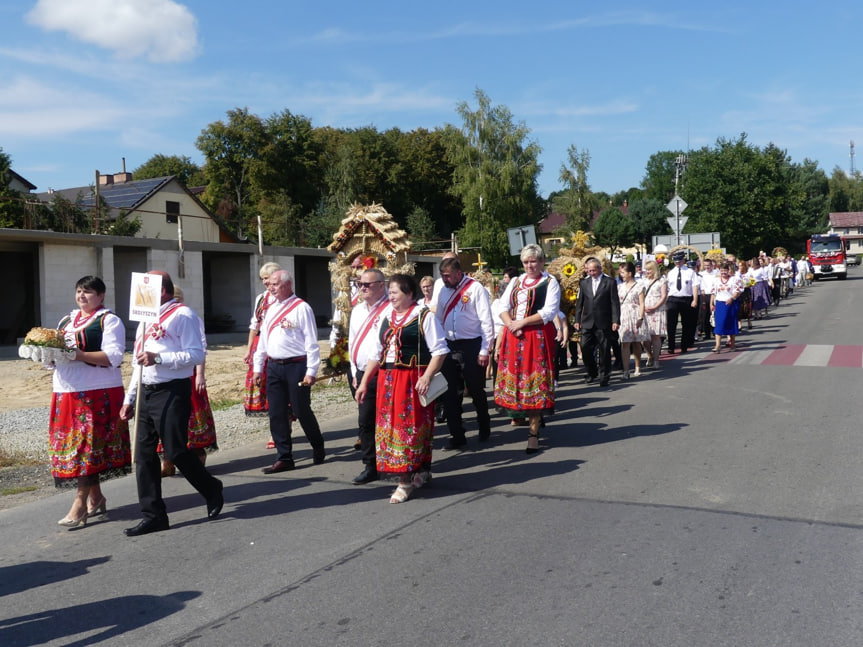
x: 519, y: 237
x: 672, y: 222
x: 703, y: 242
x: 676, y: 206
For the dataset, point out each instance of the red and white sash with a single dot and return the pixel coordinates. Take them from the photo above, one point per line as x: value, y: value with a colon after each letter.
x: 452, y: 303
x: 365, y: 328
x: 155, y: 330
x: 284, y: 312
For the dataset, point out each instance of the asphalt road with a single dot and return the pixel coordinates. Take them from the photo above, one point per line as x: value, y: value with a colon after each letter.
x: 714, y: 502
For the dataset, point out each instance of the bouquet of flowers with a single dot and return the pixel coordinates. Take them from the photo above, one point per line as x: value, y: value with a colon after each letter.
x: 339, y: 362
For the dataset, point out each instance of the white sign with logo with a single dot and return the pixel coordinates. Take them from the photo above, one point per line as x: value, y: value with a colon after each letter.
x: 145, y: 298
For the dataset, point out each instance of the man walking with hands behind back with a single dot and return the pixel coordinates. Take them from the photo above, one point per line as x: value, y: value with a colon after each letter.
x: 167, y: 353
x: 597, y: 316
x: 289, y: 338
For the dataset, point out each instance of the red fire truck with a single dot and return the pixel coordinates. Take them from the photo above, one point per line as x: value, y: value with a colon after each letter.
x: 827, y: 253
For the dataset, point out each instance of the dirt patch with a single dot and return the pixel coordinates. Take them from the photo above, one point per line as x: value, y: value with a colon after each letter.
x: 25, y: 384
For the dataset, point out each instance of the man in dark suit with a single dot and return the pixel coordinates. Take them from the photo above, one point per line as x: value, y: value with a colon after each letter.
x: 597, y: 316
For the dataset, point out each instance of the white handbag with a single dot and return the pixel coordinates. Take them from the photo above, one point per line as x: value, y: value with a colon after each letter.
x: 437, y: 387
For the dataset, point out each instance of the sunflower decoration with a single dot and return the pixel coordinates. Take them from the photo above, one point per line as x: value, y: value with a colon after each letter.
x: 779, y: 252
x: 571, y: 294
x: 568, y: 269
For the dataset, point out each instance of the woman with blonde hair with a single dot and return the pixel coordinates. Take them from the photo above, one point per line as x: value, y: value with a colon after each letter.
x: 528, y: 347
x: 655, y: 295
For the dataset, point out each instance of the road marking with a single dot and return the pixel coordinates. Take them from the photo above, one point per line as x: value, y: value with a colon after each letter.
x: 814, y: 355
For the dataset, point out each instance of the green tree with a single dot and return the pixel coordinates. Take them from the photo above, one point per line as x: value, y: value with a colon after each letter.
x: 658, y: 181
x: 232, y: 151
x: 649, y: 217
x: 576, y: 201
x: 187, y: 172
x: 421, y: 226
x: 12, y: 210
x: 495, y: 176
x: 740, y: 191
x: 614, y: 229
x: 845, y: 193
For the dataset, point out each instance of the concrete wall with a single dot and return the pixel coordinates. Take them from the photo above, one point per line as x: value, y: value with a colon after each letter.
x: 60, y: 266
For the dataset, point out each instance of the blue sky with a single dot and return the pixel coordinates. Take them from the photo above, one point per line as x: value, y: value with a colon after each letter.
x: 84, y: 83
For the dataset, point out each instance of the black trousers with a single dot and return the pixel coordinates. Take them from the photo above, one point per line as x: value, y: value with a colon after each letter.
x: 681, y: 307
x: 461, y: 368
x: 593, y: 339
x: 704, y: 315
x: 284, y: 396
x: 366, y: 419
x: 164, y: 414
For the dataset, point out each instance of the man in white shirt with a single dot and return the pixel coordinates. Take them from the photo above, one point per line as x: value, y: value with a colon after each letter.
x: 165, y: 355
x: 682, y: 302
x: 364, y: 344
x: 707, y: 277
x: 289, y: 341
x: 464, y: 312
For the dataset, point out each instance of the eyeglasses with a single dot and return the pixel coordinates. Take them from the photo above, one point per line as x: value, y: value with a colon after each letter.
x: 361, y: 284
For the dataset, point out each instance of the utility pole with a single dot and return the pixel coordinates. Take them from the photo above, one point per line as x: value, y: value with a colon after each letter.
x: 679, y: 168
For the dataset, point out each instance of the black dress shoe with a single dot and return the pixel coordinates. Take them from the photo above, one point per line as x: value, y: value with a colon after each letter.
x: 453, y: 444
x: 603, y: 382
x: 147, y: 526
x: 484, y: 435
x: 318, y: 456
x: 368, y: 475
x: 279, y: 466
x: 215, y: 502
x: 590, y: 379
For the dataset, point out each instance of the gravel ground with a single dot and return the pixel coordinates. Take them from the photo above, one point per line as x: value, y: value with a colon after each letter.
x: 24, y: 436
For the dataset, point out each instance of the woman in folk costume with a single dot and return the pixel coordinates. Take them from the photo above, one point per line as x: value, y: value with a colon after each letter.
x: 723, y: 302
x: 413, y: 347
x: 88, y: 441
x: 202, y: 428
x: 527, y: 351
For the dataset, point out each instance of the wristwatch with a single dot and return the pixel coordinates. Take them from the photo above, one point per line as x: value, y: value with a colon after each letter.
x: 157, y: 359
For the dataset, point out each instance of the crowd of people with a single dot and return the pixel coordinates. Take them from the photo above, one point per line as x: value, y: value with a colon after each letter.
x: 405, y: 338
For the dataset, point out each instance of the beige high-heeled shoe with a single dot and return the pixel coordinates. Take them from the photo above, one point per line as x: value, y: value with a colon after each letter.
x: 74, y: 523
x: 98, y: 509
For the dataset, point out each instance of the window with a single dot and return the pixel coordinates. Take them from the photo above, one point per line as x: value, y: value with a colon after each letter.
x: 172, y: 211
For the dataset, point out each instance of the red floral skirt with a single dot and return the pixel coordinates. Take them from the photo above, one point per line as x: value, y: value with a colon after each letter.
x: 87, y: 437
x: 404, y: 429
x: 255, y: 396
x: 525, y: 376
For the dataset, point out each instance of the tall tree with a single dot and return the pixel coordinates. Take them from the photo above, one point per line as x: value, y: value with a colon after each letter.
x: 232, y: 151
x: 658, y: 181
x: 12, y: 212
x: 187, y: 172
x: 495, y: 176
x: 576, y: 201
x: 649, y: 217
x: 740, y: 191
x: 614, y: 229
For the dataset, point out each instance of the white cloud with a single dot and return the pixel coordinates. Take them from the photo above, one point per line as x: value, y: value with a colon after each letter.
x: 162, y: 30
x: 30, y: 108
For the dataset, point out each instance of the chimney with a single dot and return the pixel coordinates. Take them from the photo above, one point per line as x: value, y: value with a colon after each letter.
x: 106, y: 179
x: 119, y: 178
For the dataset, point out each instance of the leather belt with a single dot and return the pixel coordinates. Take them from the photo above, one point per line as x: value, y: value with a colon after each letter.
x: 289, y: 360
